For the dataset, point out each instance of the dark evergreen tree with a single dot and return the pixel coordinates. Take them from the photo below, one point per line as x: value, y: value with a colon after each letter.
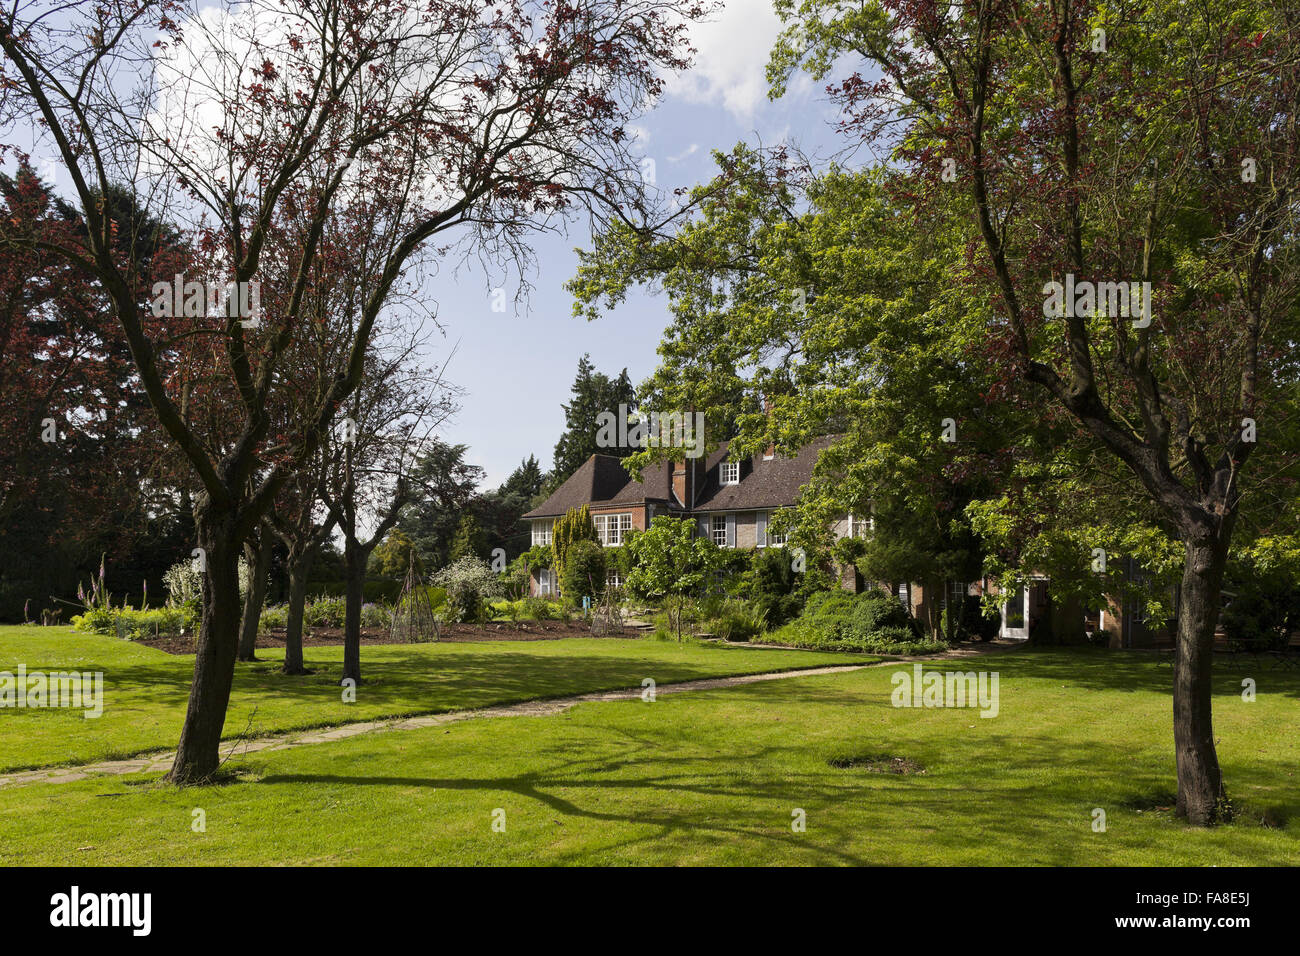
x: 498, y: 511
x: 444, y: 485
x: 593, y: 393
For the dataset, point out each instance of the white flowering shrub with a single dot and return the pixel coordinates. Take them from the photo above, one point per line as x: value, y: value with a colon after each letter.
x: 184, y: 583
x: 469, y: 582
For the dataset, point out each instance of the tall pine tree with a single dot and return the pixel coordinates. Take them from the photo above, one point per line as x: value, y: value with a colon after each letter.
x: 593, y: 393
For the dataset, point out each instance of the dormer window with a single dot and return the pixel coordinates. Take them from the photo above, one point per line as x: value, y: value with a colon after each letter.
x: 729, y: 472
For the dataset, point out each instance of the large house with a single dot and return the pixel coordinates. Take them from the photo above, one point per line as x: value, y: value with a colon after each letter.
x: 732, y: 502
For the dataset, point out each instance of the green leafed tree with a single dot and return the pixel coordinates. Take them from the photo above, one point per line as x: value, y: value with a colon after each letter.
x: 392, y: 557
x: 585, y: 564
x: 469, y: 540
x: 1027, y: 162
x: 669, y: 563
x: 1094, y: 152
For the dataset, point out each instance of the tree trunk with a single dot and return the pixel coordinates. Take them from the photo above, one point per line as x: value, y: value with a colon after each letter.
x: 1201, y: 797
x: 299, y: 568
x: 259, y: 558
x: 198, y: 753
x: 355, y: 570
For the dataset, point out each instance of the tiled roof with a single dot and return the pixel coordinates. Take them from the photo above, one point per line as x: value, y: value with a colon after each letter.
x: 773, y: 483
x: 763, y: 484
x: 602, y: 479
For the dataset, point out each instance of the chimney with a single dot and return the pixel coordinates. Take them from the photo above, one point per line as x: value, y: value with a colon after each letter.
x: 684, y: 474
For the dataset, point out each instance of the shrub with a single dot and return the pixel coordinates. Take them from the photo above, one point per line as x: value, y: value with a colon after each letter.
x: 573, y: 526
x: 736, y: 620
x: 537, y: 608
x: 273, y: 615
x: 884, y: 641
x: 584, y: 572
x: 376, y: 615
x: 97, y: 620
x: 777, y: 608
x: 873, y: 611
x: 838, y: 620
x: 892, y: 636
x: 133, y: 624
x: 828, y: 603
x: 469, y: 583
x: 464, y: 604
x: 325, y: 611
x: 184, y: 583
x: 772, y: 584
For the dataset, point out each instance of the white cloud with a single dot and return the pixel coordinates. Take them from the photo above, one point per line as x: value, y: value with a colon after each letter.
x: 733, y: 50
x: 688, y: 151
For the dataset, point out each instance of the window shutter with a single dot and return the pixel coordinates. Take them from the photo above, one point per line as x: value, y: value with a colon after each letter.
x: 760, y: 530
x: 702, y: 524
x: 731, y: 530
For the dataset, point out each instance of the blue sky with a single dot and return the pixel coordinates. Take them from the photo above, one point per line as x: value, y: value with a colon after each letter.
x: 516, y: 368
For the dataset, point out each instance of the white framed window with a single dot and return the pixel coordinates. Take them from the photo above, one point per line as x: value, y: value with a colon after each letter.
x: 729, y: 472
x: 613, y: 579
x: 766, y: 537
x: 542, y: 531
x: 860, y: 527
x: 719, y: 530
x: 611, y: 528
x: 546, y: 582
x: 905, y: 596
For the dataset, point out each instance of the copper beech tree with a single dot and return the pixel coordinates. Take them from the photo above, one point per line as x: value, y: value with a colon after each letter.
x: 1126, y: 174
x: 444, y: 126
x: 76, y: 459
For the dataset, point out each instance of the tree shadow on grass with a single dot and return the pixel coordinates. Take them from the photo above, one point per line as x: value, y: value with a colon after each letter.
x: 977, y: 801
x: 1106, y: 669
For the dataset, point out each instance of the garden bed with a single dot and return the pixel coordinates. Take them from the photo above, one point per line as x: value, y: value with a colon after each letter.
x: 451, y: 633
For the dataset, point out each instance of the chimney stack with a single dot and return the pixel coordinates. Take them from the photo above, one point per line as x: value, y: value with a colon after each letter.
x: 685, y: 473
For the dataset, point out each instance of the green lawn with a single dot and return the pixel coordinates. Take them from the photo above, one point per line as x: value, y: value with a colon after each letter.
x: 146, y: 690
x: 713, y: 777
